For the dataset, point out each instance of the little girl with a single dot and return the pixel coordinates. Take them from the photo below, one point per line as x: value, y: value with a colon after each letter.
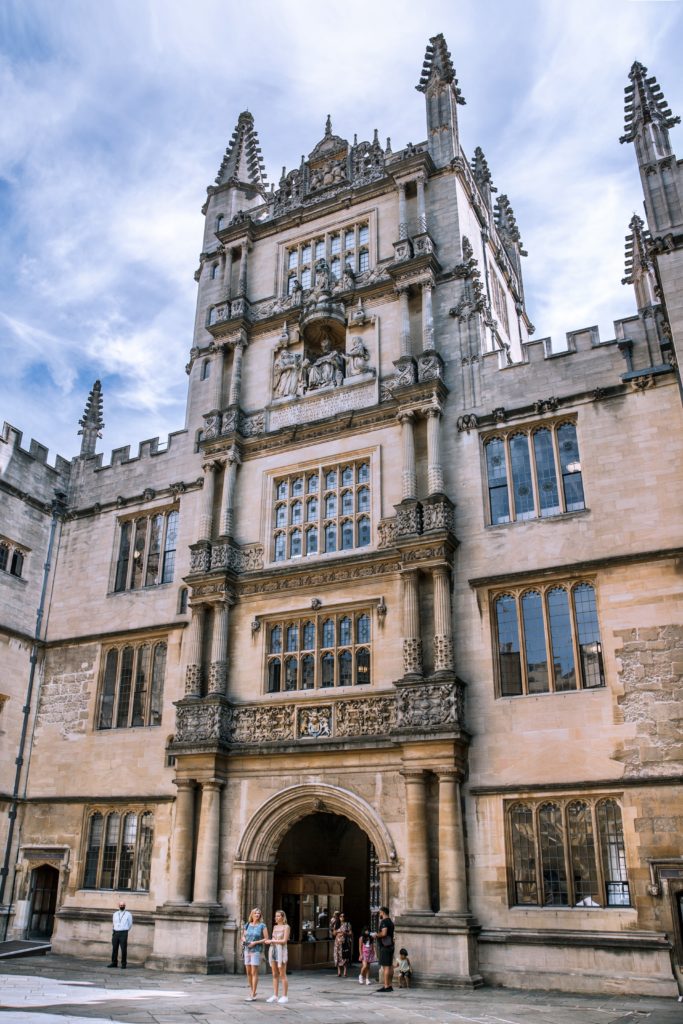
x: 404, y: 969
x: 366, y: 955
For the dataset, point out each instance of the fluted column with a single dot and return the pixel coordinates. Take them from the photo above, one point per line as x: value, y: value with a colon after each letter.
x: 227, y: 267
x: 452, y: 870
x: 417, y: 847
x: 236, y: 376
x: 206, y: 515
x: 218, y: 670
x: 208, y: 843
x: 227, y: 498
x: 195, y: 641
x: 427, y: 318
x: 406, y: 346
x: 242, y: 287
x: 402, y: 213
x: 434, y: 467
x: 217, y: 390
x: 412, y: 637
x: 443, y: 624
x: 408, y: 474
x: 421, y: 211
x: 182, y: 843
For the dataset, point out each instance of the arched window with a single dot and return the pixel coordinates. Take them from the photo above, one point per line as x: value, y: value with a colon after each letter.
x: 499, y: 503
x: 147, y: 551
x: 276, y: 640
x: 17, y: 566
x: 291, y: 673
x: 4, y: 557
x: 129, y: 835
x: 145, y: 844
x: 345, y: 668
x: 296, y: 512
x: 331, y: 537
x: 612, y: 853
x: 509, y: 664
x: 295, y: 539
x: 312, y: 510
x: 213, y: 316
x: 330, y: 649
x: 534, y: 640
x: 307, y: 672
x: 363, y: 532
x: 363, y: 629
x: 545, y: 471
x: 274, y: 670
x: 363, y: 666
x: 132, y: 685
x: 522, y: 483
x: 92, y: 856
x: 312, y: 541
x: 347, y: 535
x: 347, y: 477
x: 582, y: 853
x: 214, y: 271
x: 297, y: 487
x: 345, y: 630
x: 328, y: 633
x: 363, y: 500
x: 119, y: 851
x: 206, y: 369
x: 330, y: 506
x: 570, y: 467
x: 110, y: 851
x: 564, y: 669
x: 220, y: 221
x: 309, y: 636
x: 327, y: 669
x: 280, y: 547
x: 182, y: 601
x: 292, y: 638
x: 347, y: 503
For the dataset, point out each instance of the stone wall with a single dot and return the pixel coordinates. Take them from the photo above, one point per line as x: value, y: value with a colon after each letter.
x: 67, y: 688
x: 650, y: 669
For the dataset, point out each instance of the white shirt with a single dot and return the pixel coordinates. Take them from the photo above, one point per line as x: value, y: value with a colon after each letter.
x: 123, y: 920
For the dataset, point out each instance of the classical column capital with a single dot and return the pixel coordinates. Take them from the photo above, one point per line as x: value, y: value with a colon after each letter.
x: 233, y: 456
x: 184, y: 784
x: 211, y: 466
x: 406, y: 416
x: 414, y: 776
x: 214, y: 784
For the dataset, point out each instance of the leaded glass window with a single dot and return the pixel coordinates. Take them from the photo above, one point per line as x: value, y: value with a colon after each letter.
x: 146, y: 551
x: 327, y: 650
x: 132, y: 684
x: 118, y: 852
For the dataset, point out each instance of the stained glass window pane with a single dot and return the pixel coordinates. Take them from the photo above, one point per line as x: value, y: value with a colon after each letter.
x: 497, y: 480
x: 534, y: 643
x: 158, y: 670
x: 363, y: 501
x: 297, y: 512
x: 363, y: 629
x: 274, y: 670
x: 170, y: 547
x: 309, y: 636
x: 138, y: 553
x: 545, y: 473
x: 312, y: 484
x: 145, y: 844
x: 281, y: 515
x: 570, y: 466
x: 128, y: 838
x: 347, y: 535
x: 363, y: 532
x: 292, y: 638
x: 347, y: 503
x: 123, y: 559
x: 345, y: 630
x: 328, y: 633
x: 364, y: 473
x: 281, y: 490
x: 280, y: 547
x: 509, y: 661
x: 554, y: 873
x: 590, y: 647
x: 523, y: 856
x: 564, y: 669
x: 295, y: 544
x: 276, y: 640
x: 521, y: 477
x: 312, y: 542
x: 331, y: 479
x: 154, y: 553
x: 312, y: 510
x: 331, y: 537
x: 330, y: 506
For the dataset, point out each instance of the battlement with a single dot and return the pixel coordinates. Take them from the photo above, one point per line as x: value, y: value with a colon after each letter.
x: 150, y: 448
x: 37, y: 453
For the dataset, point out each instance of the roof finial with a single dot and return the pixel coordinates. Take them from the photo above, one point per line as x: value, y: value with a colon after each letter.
x: 91, y: 422
x: 243, y: 161
x: 328, y: 126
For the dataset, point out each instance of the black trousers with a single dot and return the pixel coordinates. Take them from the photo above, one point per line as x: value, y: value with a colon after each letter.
x: 119, y: 940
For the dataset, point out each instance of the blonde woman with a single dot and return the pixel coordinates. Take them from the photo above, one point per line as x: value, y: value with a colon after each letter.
x: 277, y: 955
x: 254, y: 936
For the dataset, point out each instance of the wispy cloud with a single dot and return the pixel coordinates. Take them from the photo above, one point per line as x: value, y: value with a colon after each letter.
x: 115, y: 117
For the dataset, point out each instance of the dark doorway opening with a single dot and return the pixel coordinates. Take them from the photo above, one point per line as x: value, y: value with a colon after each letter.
x: 329, y: 845
x: 44, y: 883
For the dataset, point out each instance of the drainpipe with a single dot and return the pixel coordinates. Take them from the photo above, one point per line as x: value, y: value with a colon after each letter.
x: 57, y: 512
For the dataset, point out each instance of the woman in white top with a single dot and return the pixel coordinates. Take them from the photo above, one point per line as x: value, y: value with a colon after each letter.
x: 277, y: 956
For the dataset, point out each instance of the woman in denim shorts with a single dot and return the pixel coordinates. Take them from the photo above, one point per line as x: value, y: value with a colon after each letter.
x: 253, y: 937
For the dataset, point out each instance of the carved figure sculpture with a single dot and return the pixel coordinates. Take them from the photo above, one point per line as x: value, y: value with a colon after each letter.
x: 286, y: 370
x: 328, y: 369
x: 357, y: 359
x: 322, y: 276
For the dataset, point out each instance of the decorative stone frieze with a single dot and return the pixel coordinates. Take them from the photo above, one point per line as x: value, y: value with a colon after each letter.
x: 403, y: 250
x: 354, y: 394
x: 430, y: 706
x: 314, y: 722
x: 406, y: 373
x: 429, y: 366
x: 365, y: 717
x: 438, y: 513
x: 388, y: 531
x: 262, y: 724
x: 200, y: 557
x: 408, y: 518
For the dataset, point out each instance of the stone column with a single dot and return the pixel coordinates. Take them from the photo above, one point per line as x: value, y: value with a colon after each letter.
x: 195, y: 642
x: 406, y: 347
x: 227, y: 498
x: 427, y: 317
x: 206, y: 515
x: 236, y: 376
x: 227, y: 267
x: 242, y: 286
x: 182, y: 843
x: 434, y: 467
x: 408, y: 475
x: 443, y: 625
x: 218, y: 670
x: 421, y: 211
x: 417, y: 849
x: 208, y: 843
x: 452, y: 871
x: 402, y: 213
x: 217, y: 390
x: 412, y: 639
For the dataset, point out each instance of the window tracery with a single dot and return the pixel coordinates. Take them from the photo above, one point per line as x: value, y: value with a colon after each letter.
x: 119, y: 850
x: 319, y: 650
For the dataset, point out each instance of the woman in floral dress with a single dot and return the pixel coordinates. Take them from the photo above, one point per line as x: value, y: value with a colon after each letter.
x: 343, y: 946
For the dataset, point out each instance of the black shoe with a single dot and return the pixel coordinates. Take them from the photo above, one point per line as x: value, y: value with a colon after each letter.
x: 123, y: 966
x: 112, y: 965
x: 382, y: 989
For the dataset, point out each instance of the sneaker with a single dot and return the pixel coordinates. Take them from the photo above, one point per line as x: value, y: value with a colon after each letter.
x: 283, y: 999
x: 382, y: 989
x: 368, y: 981
x: 250, y: 999
x: 112, y: 965
x: 271, y: 999
x: 360, y: 980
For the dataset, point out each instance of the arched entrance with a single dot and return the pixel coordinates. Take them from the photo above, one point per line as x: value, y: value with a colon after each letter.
x: 44, y: 884
x: 320, y: 830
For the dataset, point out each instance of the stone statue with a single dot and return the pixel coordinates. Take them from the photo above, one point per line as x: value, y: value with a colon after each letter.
x: 357, y: 359
x: 328, y: 369
x: 286, y: 371
x: 348, y: 280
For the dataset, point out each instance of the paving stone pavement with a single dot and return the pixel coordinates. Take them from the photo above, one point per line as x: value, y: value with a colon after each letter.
x: 65, y: 990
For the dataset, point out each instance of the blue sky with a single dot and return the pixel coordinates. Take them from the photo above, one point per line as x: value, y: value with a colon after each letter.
x: 115, y: 117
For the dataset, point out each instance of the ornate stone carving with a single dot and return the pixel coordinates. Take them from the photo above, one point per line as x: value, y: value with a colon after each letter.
x: 365, y: 717
x: 388, y: 532
x: 326, y: 401
x: 212, y: 425
x: 412, y: 656
x: 378, y: 275
x: 193, y: 680
x: 202, y: 722
x: 251, y: 558
x: 408, y: 519
x: 200, y: 557
x: 315, y: 722
x: 423, y: 245
x: 403, y: 250
x: 230, y: 421
x: 499, y: 414
x: 443, y: 653
x: 467, y: 422
x: 218, y: 675
x: 438, y: 515
x: 258, y: 724
x: 358, y: 359
x: 252, y: 426
x: 406, y: 373
x: 429, y: 706
x: 546, y: 405
x: 429, y: 366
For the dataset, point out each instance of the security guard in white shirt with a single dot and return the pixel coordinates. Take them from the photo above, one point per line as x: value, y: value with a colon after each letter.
x: 122, y: 922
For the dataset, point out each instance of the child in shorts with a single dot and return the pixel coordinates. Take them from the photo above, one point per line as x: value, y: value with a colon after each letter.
x: 403, y: 969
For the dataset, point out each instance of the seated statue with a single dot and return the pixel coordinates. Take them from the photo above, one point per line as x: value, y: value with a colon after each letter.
x: 328, y: 369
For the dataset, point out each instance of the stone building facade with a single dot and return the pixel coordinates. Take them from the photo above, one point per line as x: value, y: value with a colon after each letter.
x: 400, y: 604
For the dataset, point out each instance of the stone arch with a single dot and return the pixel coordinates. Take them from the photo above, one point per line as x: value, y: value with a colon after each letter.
x: 274, y: 818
